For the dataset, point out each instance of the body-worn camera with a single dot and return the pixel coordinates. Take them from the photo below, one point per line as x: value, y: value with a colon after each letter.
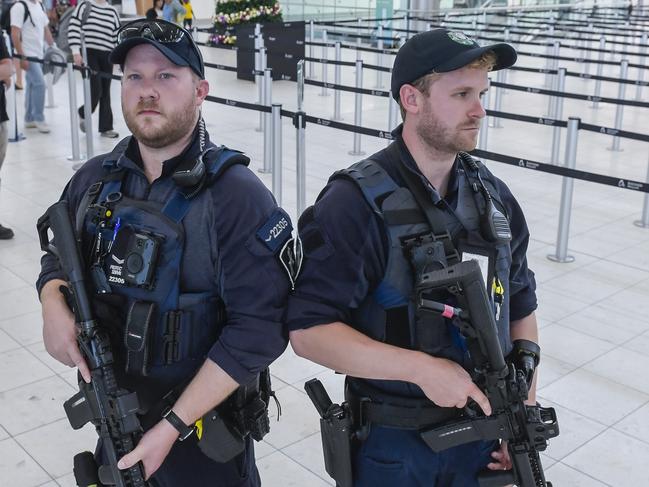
x: 132, y: 259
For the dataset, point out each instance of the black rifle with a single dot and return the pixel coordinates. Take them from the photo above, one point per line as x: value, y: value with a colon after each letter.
x: 111, y: 409
x: 505, y: 383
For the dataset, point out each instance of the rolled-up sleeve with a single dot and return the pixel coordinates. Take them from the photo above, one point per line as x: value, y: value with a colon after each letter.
x: 254, y: 286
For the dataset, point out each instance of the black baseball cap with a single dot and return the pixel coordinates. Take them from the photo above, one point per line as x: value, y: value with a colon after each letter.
x: 171, y: 40
x: 441, y: 51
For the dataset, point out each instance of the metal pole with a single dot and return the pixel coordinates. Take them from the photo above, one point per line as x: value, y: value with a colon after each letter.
x: 624, y: 69
x: 276, y: 116
x: 49, y: 81
x: 643, y: 53
x: 586, y: 51
x: 498, y: 99
x: 554, y: 77
x: 600, y: 71
x: 87, y: 99
x: 13, y: 134
x: 74, y: 120
x: 393, y: 108
x: 548, y: 65
x: 358, y: 31
x: 311, y: 40
x: 268, y: 136
x: 484, y: 124
x: 337, y: 80
x: 325, y: 65
x: 557, y: 115
x: 561, y: 254
x: 300, y: 149
x: 379, y: 57
x: 263, y: 64
x: 644, y: 222
x: 358, y: 109
x: 258, y: 78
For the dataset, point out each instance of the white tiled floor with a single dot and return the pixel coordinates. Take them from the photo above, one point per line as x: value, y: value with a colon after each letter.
x: 593, y: 312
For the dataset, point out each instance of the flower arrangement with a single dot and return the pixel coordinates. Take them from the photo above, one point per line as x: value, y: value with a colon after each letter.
x: 230, y: 13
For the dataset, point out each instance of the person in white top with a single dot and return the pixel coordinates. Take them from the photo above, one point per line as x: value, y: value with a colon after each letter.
x: 29, y: 32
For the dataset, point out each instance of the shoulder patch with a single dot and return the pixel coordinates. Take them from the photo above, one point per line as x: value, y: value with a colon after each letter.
x: 276, y: 231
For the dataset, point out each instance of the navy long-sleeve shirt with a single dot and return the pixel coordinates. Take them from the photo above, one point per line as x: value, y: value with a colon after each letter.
x: 222, y: 251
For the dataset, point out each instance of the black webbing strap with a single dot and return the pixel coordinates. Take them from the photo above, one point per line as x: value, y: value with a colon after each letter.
x: 432, y: 213
x: 136, y: 337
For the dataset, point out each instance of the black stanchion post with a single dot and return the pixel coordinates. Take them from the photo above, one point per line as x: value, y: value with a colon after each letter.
x: 561, y: 254
x: 358, y: 109
x: 619, y: 111
x: 276, y: 117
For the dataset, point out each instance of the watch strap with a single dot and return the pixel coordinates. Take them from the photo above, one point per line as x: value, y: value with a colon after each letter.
x: 184, y: 430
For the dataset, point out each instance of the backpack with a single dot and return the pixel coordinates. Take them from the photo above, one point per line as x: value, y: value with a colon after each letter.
x: 5, y: 18
x: 61, y: 38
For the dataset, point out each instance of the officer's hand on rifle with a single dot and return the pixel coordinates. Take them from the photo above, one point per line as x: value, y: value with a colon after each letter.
x: 152, y: 449
x: 59, y: 330
x: 501, y: 457
x: 447, y: 384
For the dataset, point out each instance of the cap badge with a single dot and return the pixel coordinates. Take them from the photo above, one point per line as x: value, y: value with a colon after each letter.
x: 460, y: 38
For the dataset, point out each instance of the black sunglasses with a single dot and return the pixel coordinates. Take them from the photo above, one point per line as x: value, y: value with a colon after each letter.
x: 159, y: 31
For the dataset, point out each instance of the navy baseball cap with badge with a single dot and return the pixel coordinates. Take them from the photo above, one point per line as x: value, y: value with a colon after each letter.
x: 441, y: 51
x: 171, y: 40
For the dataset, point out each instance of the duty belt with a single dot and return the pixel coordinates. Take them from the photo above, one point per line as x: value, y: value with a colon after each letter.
x: 370, y: 405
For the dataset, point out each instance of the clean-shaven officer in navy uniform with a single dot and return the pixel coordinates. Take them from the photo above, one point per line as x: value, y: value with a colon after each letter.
x: 207, y: 315
x: 353, y: 309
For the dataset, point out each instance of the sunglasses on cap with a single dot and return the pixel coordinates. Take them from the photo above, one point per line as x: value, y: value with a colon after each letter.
x: 165, y: 33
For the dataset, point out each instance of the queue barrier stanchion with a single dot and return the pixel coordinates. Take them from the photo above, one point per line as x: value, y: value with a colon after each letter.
x: 643, y: 53
x: 600, y: 71
x: 393, y: 109
x: 359, y: 31
x: 619, y: 110
x: 260, y: 65
x: 561, y: 253
x: 557, y: 115
x: 311, y: 40
x: 300, y: 143
x: 379, y: 57
x: 276, y: 117
x: 13, y: 133
x: 644, y: 221
x: 87, y: 112
x: 74, y: 116
x: 586, y: 51
x: 498, y: 98
x: 325, y: 64
x: 554, y: 78
x: 337, y: 80
x: 484, y: 124
x: 49, y: 81
x: 268, y: 135
x: 358, y: 109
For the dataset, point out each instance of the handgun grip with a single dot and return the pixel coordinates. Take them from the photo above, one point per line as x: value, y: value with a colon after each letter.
x: 319, y: 397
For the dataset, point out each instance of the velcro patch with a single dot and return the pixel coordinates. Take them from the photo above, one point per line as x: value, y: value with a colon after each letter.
x: 276, y: 231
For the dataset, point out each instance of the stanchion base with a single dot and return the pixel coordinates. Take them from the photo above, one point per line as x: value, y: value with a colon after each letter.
x: 18, y: 138
x: 51, y: 106
x: 82, y: 157
x: 354, y: 153
x: 324, y: 94
x: 258, y: 129
x: 567, y: 260
x: 594, y: 107
x: 641, y: 224
x: 264, y: 171
x: 613, y: 149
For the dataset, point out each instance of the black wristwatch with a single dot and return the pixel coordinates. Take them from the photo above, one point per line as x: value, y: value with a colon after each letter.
x: 184, y: 430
